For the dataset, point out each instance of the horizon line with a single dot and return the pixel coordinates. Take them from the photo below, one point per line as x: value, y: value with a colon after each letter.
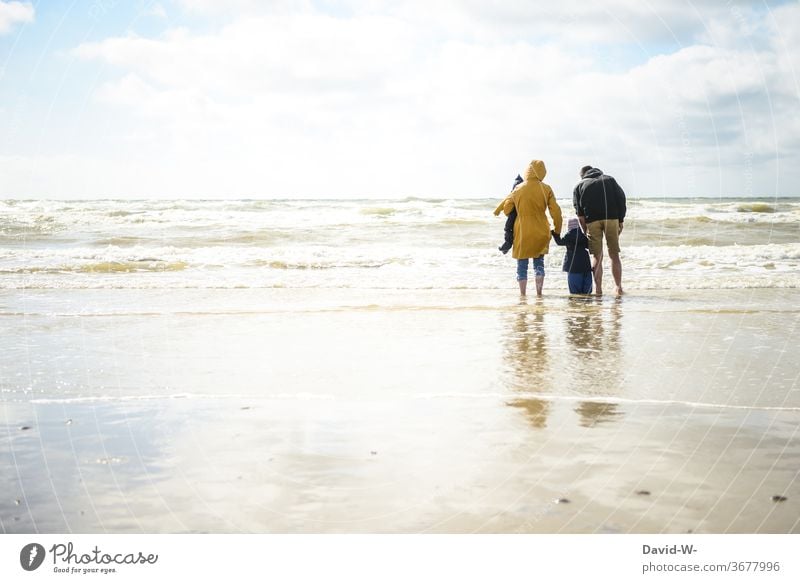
x: 368, y: 198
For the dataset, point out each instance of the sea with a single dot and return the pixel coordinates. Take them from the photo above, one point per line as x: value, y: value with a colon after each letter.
x: 341, y: 366
x: 412, y: 243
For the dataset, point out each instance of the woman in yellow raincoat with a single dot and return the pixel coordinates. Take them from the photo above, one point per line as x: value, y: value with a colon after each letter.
x: 532, y: 229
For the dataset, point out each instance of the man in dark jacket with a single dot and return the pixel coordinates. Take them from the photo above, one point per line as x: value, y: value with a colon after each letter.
x: 600, y: 205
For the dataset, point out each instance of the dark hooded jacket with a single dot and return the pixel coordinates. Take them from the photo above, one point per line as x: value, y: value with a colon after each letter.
x: 512, y: 216
x: 598, y: 196
x: 576, y: 259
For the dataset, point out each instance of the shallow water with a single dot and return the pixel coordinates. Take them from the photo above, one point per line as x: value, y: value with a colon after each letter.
x: 323, y: 410
x: 373, y: 244
x: 367, y: 366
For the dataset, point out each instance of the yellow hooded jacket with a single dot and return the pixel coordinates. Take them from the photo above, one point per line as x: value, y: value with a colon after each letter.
x: 531, y: 197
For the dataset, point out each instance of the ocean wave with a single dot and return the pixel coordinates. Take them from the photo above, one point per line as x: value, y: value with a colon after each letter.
x: 411, y: 243
x: 465, y: 222
x: 740, y: 258
x: 248, y: 221
x: 415, y: 257
x: 383, y: 211
x: 756, y: 207
x: 634, y: 282
x: 141, y: 265
x: 333, y: 264
x: 132, y: 266
x: 124, y: 213
x: 28, y: 228
x: 770, y: 211
x: 419, y: 199
x: 677, y: 232
x: 682, y: 223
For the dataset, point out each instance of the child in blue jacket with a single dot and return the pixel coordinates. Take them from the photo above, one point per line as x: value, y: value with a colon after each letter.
x: 576, y: 262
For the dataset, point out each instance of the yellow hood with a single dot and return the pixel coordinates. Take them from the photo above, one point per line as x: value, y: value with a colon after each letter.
x: 536, y: 170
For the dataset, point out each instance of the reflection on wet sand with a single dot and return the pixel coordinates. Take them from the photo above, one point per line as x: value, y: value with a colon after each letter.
x: 527, y: 353
x: 584, y: 360
x: 593, y: 413
x: 593, y: 340
x: 596, y: 356
x: 323, y: 422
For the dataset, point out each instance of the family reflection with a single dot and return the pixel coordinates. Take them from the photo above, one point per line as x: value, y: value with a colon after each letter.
x: 595, y: 412
x: 570, y: 353
x: 527, y: 354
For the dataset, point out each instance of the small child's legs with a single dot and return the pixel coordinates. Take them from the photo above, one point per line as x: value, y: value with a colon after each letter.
x: 580, y: 283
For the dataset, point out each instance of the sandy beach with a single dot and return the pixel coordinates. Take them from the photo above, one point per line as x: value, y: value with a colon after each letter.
x: 323, y: 410
x: 334, y: 284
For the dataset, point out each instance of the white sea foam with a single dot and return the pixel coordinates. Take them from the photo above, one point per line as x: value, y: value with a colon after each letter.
x: 405, y: 244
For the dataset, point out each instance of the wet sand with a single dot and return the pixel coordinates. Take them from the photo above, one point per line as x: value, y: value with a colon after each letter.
x: 319, y: 411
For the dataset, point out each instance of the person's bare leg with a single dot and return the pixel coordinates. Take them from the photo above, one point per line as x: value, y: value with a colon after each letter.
x: 539, y: 284
x: 597, y: 271
x: 616, y: 271
x: 523, y: 286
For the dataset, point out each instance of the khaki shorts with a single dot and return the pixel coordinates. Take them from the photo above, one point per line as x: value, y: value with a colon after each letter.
x: 595, y: 231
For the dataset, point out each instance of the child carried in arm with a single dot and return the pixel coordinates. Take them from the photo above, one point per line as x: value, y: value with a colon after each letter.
x: 512, y: 216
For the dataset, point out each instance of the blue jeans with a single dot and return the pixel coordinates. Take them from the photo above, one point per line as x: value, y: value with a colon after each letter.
x: 580, y: 283
x: 522, y: 267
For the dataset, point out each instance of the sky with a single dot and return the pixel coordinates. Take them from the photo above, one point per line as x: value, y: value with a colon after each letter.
x: 383, y: 98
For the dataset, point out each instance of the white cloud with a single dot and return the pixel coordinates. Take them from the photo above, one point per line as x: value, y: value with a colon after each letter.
x: 299, y: 52
x: 12, y: 13
x: 214, y: 7
x: 386, y: 99
x: 567, y: 21
x: 156, y: 10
